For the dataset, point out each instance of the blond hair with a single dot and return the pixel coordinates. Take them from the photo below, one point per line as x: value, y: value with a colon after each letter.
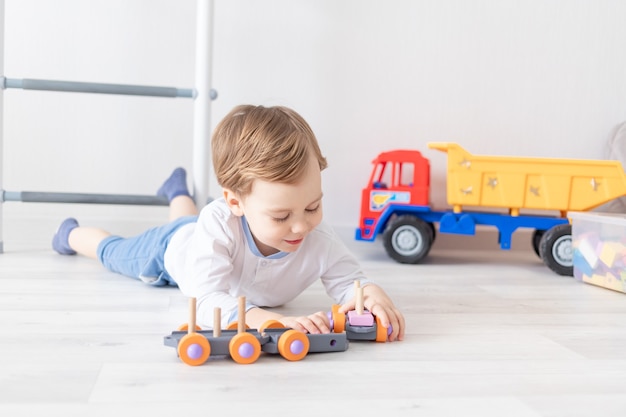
x: 268, y: 143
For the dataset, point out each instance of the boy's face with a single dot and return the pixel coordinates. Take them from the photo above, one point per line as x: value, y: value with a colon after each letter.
x: 281, y: 215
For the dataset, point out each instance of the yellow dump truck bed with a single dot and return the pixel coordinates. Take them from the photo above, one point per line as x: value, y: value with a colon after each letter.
x: 529, y: 183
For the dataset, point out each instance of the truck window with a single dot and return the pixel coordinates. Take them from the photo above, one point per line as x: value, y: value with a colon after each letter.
x: 398, y: 174
x: 381, y: 176
x: 406, y: 173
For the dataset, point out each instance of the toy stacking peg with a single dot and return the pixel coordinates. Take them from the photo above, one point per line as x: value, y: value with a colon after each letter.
x: 358, y: 293
x: 241, y: 315
x: 244, y: 347
x: 217, y: 322
x: 359, y: 317
x: 191, y: 326
x: 193, y: 348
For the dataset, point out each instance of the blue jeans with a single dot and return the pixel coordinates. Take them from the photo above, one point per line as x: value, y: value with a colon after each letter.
x: 142, y: 256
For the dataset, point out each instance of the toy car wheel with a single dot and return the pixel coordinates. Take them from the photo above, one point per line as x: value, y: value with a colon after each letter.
x: 381, y: 332
x: 536, y: 240
x: 555, y: 248
x: 271, y: 324
x: 244, y: 348
x: 194, y: 349
x: 185, y: 327
x: 234, y: 325
x: 408, y: 239
x: 293, y: 345
x: 339, y: 320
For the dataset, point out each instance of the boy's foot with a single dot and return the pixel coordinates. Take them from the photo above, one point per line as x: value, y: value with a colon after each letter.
x: 175, y: 185
x: 60, y: 241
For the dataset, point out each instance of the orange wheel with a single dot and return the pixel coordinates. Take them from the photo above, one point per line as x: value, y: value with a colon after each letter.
x: 234, y: 325
x: 194, y: 349
x: 271, y: 324
x: 244, y: 348
x: 339, y: 320
x: 381, y: 332
x: 185, y: 327
x: 293, y: 345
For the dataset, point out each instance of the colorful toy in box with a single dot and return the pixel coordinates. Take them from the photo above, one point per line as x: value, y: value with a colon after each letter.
x: 599, y: 244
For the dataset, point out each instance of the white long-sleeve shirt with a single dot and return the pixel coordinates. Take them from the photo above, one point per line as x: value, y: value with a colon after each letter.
x: 215, y: 260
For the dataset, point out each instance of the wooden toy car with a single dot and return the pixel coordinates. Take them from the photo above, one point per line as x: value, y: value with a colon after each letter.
x: 358, y: 324
x: 244, y: 346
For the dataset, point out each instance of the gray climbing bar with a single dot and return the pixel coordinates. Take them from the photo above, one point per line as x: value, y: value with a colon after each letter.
x: 98, y: 88
x: 82, y: 198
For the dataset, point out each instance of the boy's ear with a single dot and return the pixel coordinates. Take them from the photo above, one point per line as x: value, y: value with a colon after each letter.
x: 234, y: 202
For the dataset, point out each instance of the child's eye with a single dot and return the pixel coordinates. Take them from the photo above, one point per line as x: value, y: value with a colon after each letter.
x: 313, y: 210
x: 281, y: 219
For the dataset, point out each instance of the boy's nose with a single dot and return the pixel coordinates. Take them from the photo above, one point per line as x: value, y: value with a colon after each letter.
x: 300, y: 226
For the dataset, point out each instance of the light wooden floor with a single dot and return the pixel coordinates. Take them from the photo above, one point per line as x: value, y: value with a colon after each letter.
x: 490, y: 333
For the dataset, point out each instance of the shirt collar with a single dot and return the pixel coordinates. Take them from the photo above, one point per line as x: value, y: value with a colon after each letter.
x: 252, y: 243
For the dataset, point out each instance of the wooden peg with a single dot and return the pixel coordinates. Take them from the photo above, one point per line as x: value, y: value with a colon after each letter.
x: 358, y: 293
x: 241, y: 316
x: 191, y: 326
x: 217, y: 322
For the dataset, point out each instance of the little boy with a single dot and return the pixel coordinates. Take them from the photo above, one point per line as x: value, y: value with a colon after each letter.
x: 264, y: 239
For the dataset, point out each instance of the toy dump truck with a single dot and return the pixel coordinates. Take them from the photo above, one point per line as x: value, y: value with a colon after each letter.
x: 509, y: 190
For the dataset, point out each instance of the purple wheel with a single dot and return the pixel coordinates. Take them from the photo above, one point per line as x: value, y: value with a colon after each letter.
x: 194, y: 349
x: 244, y: 348
x: 293, y: 345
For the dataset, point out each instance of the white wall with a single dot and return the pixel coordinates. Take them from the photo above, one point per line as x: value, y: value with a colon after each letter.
x: 534, y: 78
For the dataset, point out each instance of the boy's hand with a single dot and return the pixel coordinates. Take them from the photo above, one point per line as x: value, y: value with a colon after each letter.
x: 315, y: 323
x: 377, y: 302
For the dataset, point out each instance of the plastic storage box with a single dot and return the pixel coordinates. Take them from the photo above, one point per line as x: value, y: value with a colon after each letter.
x: 599, y: 249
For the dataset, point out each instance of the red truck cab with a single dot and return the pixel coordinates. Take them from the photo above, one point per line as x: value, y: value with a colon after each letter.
x: 398, y: 177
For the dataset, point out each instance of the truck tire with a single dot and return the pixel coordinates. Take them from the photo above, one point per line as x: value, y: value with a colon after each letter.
x: 555, y: 248
x: 433, y: 231
x: 408, y: 239
x: 536, y: 239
